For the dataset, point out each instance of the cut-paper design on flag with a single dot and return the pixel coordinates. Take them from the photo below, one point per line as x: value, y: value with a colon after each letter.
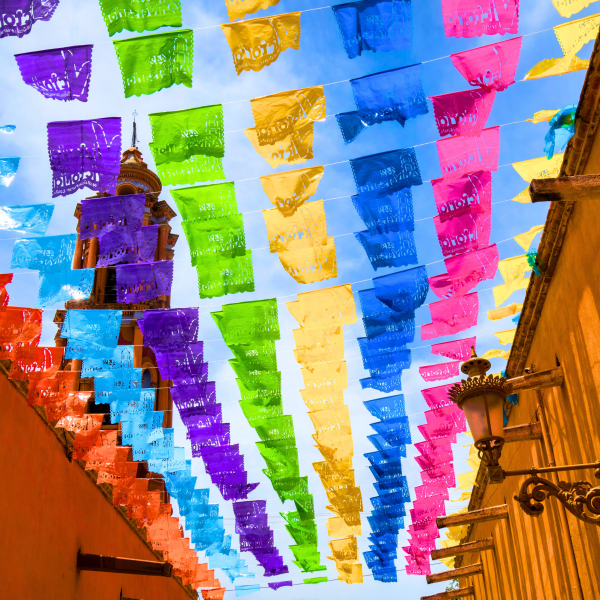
x: 238, y: 10
x: 490, y: 67
x: 395, y: 95
x: 387, y: 171
x: 536, y: 168
x: 99, y: 215
x: 84, y: 154
x: 150, y: 63
x: 460, y: 155
x: 505, y: 311
x: 496, y: 353
x: 279, y: 115
x: 470, y: 19
x: 321, y: 315
x: 403, y: 291
x: 386, y: 212
x: 257, y: 43
x: 140, y: 15
x: 567, y: 8
x: 26, y: 218
x: 525, y: 239
x: 463, y: 113
x: 202, y: 202
x: 20, y: 325
x: 395, y: 249
x: 119, y: 246
x: 572, y: 37
x: 306, y: 228
x: 31, y: 364
x: 469, y: 194
x: 465, y: 271
x: 463, y: 234
x: 144, y: 281
x: 8, y: 129
x: 439, y: 372
x: 289, y: 190
x: 513, y: 272
x: 60, y: 73
x: 315, y: 263
x: 64, y: 286
x: 294, y: 149
x: 220, y: 275
x: 506, y: 337
x: 214, y: 229
x: 451, y: 316
x: 250, y: 329
x: 375, y: 25
x: 188, y: 145
x: 8, y: 169
x: 459, y: 350
x: 18, y: 16
x: 49, y: 254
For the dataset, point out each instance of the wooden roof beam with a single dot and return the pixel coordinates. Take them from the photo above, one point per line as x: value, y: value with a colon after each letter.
x: 476, y: 546
x: 475, y: 569
x: 129, y: 566
x: 459, y: 593
x: 565, y: 189
x: 476, y: 516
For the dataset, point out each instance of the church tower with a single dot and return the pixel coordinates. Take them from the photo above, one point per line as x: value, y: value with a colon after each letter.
x: 135, y: 178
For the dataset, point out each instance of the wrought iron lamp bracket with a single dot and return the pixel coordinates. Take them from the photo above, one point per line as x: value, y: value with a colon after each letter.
x: 580, y: 498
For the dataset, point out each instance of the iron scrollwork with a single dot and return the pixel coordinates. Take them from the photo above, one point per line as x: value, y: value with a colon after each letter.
x: 580, y: 498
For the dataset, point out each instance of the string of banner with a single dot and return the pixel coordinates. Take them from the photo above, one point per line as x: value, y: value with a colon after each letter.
x: 188, y: 147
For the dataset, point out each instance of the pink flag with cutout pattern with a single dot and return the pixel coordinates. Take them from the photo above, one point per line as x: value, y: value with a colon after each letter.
x: 457, y: 349
x: 461, y: 155
x: 434, y: 460
x: 439, y: 430
x: 426, y: 509
x: 463, y: 234
x: 465, y: 272
x: 490, y: 67
x: 431, y: 490
x: 469, y: 194
x: 439, y: 372
x: 470, y: 18
x: 442, y: 473
x: 451, y: 316
x: 437, y: 397
x: 462, y: 113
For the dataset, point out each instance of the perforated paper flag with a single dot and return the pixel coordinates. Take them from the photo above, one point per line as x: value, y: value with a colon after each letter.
x: 188, y: 145
x: 490, y: 67
x: 18, y: 16
x: 257, y: 43
x: 471, y: 18
x: 140, y: 15
x: 375, y: 25
x: 290, y: 189
x: 60, y: 73
x: 150, y: 63
x: 278, y: 115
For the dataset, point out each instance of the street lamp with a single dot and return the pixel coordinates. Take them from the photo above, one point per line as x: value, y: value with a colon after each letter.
x: 482, y: 398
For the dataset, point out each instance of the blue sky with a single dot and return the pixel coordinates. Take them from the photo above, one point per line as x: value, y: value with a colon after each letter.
x: 321, y: 59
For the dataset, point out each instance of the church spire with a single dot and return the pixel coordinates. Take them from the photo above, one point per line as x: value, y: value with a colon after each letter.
x: 134, y: 138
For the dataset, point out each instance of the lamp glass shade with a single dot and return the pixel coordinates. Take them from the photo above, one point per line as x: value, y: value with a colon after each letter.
x: 475, y: 411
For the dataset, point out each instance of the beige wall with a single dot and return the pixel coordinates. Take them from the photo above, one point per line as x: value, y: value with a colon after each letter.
x: 49, y: 509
